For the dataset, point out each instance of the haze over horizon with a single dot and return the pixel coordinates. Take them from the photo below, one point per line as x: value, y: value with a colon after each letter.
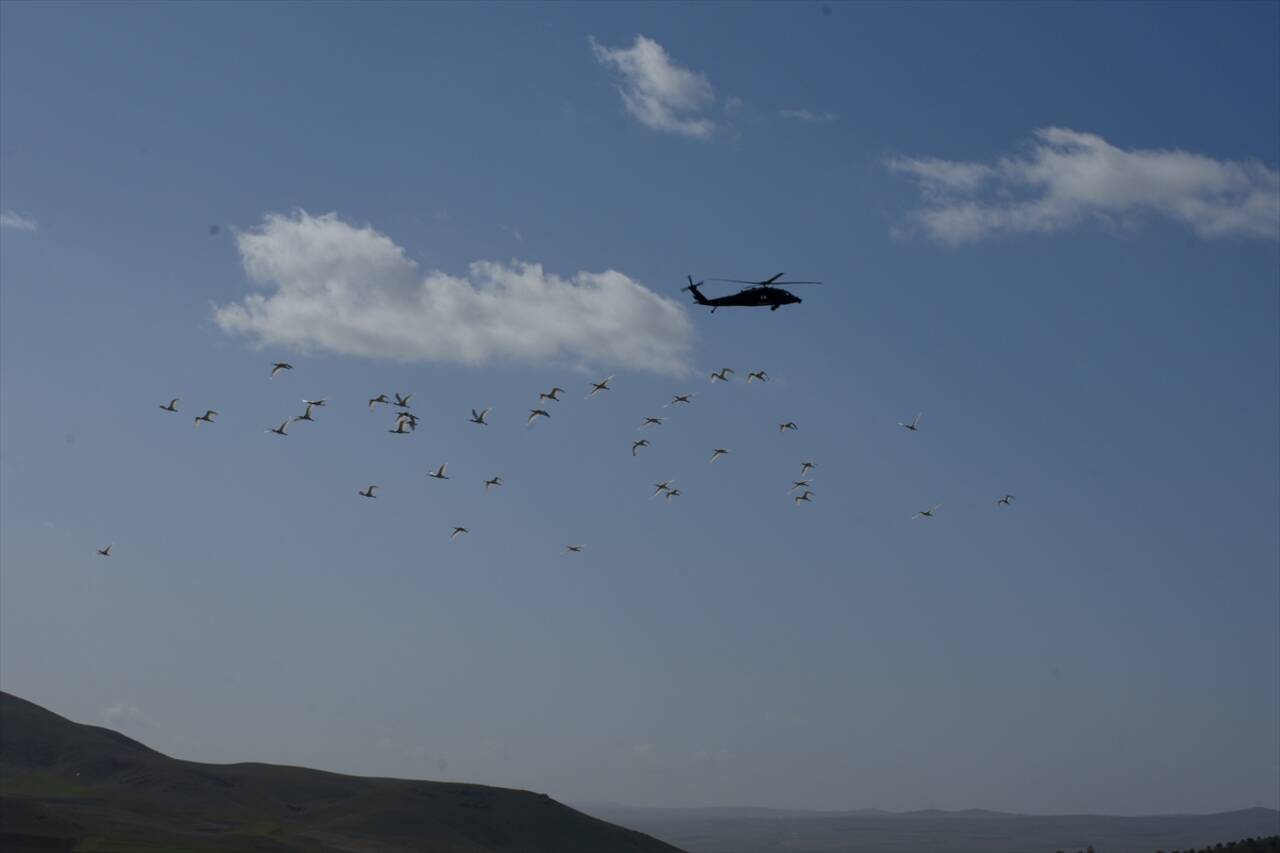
x: 1054, y: 230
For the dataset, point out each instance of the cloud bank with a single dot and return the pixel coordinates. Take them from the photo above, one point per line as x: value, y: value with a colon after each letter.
x: 1067, y: 177
x: 660, y: 94
x: 339, y: 288
x: 18, y: 222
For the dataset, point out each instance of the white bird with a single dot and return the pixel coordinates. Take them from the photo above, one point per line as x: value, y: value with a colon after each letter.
x: 603, y: 385
x: 553, y: 395
x: 104, y: 552
x: 926, y: 513
x: 381, y: 398
x: 305, y: 416
x: 719, y: 451
x: 407, y: 418
x: 806, y: 497
x: 672, y: 493
x: 1006, y: 500
x: 788, y: 425
x: 439, y: 472
x: 680, y: 398
x: 479, y: 417
x: 496, y: 481
x: 403, y: 402
x: 279, y: 366
x: 173, y: 405
x: 534, y: 414
x: 456, y: 531
x: 806, y: 467
x: 636, y: 445
x: 651, y: 422
x: 664, y: 486
x: 314, y: 402
x: 572, y: 549
x: 283, y: 429
x: 914, y: 425
x: 207, y: 417
x: 759, y: 374
x: 401, y: 423
x: 368, y: 493
x: 800, y: 484
x: 721, y: 375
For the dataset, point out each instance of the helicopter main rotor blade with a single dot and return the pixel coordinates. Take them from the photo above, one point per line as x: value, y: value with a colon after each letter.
x: 762, y: 283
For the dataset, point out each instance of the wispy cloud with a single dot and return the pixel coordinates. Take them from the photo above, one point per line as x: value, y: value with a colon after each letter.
x: 660, y: 94
x: 1067, y: 177
x: 345, y: 289
x: 17, y: 221
x: 809, y: 115
x: 124, y: 715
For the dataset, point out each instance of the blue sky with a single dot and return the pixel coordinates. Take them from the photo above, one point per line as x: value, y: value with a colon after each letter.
x: 1050, y: 228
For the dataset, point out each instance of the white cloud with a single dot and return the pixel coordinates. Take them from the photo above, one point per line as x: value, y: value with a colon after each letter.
x: 661, y: 94
x: 336, y: 287
x: 125, y: 715
x: 809, y: 115
x: 1067, y: 177
x: 10, y: 219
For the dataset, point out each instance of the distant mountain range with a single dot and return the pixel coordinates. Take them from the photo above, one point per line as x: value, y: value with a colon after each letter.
x: 761, y: 830
x: 66, y: 786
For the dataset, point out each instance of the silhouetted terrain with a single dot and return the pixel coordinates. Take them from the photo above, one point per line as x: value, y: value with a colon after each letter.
x: 740, y: 830
x: 68, y: 786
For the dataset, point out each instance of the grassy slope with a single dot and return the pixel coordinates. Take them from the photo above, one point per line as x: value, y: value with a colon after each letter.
x: 98, y: 790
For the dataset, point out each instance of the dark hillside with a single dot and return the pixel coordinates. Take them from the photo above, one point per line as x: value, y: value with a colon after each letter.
x: 64, y: 785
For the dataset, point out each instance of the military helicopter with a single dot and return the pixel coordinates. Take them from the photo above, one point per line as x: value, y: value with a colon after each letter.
x: 758, y: 295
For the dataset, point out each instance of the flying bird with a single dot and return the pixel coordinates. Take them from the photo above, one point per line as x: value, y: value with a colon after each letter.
x: 719, y: 451
x: 105, y: 552
x: 553, y: 395
x: 800, y: 484
x: 602, y: 385
x: 672, y: 493
x: 496, y: 481
x: 534, y: 414
x: 636, y: 445
x: 403, y: 402
x: 806, y: 467
x: 305, y: 416
x: 806, y: 497
x: 722, y: 375
x: 456, y: 531
x: 572, y: 549
x: 926, y: 513
x: 659, y: 488
x: 207, y: 417
x: 1006, y: 500
x: 914, y: 425
x: 479, y: 417
x: 368, y: 493
x: 279, y: 366
x: 759, y: 374
x: 788, y: 425
x: 381, y: 398
x: 173, y: 405
x: 407, y: 418
x: 439, y: 472
x: 651, y: 422
x: 680, y: 398
x: 283, y: 429
x: 314, y: 402
x: 401, y: 423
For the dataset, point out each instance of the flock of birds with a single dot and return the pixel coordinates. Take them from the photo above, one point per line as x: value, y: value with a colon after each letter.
x: 406, y: 422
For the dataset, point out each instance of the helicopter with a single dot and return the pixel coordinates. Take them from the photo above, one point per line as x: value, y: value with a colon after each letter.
x: 758, y: 295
